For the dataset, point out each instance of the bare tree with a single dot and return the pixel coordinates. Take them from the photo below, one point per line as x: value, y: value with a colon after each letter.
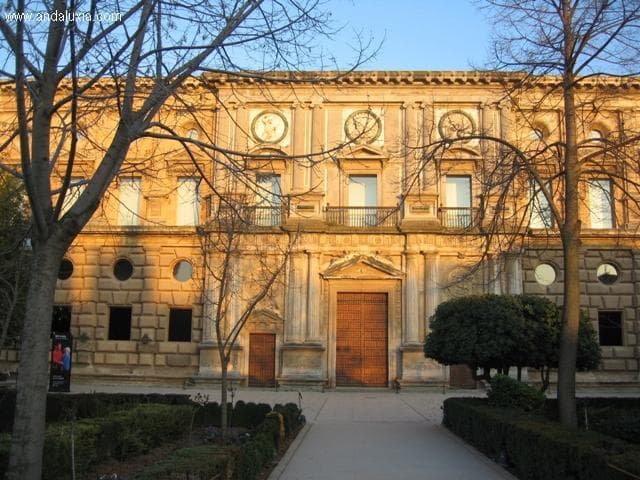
x: 73, y: 64
x: 571, y: 61
x: 243, y: 267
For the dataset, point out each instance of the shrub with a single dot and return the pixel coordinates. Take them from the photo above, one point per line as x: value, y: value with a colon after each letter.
x: 249, y: 415
x: 120, y: 435
x: 501, y: 331
x: 202, y: 462
x: 292, y: 416
x: 537, y: 449
x: 57, y: 447
x: 5, y: 447
x: 506, y: 392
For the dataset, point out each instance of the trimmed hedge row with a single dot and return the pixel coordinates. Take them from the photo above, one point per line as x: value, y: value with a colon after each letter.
x: 140, y: 427
x: 536, y: 449
x: 616, y: 417
x: 119, y: 436
x: 243, y: 462
x: 62, y: 407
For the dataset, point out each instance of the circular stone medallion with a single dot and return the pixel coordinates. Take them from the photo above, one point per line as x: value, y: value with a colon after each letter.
x: 269, y: 126
x: 363, y: 126
x: 455, y: 124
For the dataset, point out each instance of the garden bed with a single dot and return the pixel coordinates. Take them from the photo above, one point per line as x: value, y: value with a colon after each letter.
x: 535, y: 447
x: 118, y: 437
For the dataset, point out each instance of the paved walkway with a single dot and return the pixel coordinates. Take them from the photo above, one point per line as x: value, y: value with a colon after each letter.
x: 363, y: 435
x: 381, y: 435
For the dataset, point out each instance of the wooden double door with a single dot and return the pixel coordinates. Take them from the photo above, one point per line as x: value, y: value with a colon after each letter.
x: 361, y: 340
x: 262, y: 360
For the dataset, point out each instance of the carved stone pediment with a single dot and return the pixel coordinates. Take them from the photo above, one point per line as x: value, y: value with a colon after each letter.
x: 361, y: 267
x: 266, y: 321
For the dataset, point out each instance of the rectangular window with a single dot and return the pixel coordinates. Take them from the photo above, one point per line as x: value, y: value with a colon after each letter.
x: 363, y: 200
x: 61, y: 318
x: 72, y: 195
x: 188, y: 202
x: 269, y: 199
x: 600, y: 203
x: 129, y: 193
x: 610, y: 328
x: 180, y: 325
x: 119, y: 323
x: 457, y: 212
x: 541, y: 216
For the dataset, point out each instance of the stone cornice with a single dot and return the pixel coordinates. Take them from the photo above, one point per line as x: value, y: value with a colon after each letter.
x: 380, y: 77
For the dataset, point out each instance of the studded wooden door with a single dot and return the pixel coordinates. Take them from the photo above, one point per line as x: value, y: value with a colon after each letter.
x: 262, y: 360
x: 361, y: 339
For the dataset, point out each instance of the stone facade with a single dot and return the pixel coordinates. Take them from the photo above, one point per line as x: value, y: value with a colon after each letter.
x: 403, y: 236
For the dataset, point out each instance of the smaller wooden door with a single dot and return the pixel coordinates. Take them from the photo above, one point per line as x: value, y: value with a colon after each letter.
x: 262, y: 360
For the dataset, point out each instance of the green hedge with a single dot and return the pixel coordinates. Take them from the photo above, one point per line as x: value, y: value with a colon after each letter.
x: 537, y: 449
x: 119, y: 436
x: 63, y: 406
x: 203, y: 462
x: 243, y: 462
x: 131, y: 428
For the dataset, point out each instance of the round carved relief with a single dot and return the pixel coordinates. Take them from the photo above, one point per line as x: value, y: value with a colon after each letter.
x: 269, y: 126
x: 363, y: 126
x: 456, y: 124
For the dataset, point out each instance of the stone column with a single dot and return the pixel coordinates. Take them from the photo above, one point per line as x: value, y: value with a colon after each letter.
x: 514, y: 275
x: 431, y: 287
x: 296, y: 308
x: 313, y: 298
x: 298, y: 134
x: 411, y: 289
x: 317, y: 144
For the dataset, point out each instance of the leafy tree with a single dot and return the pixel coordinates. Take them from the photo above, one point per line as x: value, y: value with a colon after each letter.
x: 14, y: 279
x: 497, y: 332
x: 484, y: 332
x: 543, y: 319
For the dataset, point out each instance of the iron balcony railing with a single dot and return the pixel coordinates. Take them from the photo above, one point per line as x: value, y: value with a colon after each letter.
x: 243, y: 216
x: 458, y: 218
x: 362, y: 217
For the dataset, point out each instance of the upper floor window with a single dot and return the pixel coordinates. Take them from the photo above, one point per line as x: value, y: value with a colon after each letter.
x: 188, y: 204
x: 600, y: 203
x: 72, y: 195
x: 363, y: 191
x: 269, y: 193
x: 541, y: 216
x: 129, y: 194
x: 363, y: 200
x: 457, y: 209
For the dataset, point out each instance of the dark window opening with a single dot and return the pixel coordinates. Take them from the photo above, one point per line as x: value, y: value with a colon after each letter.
x: 180, y: 325
x: 123, y: 269
x: 61, y: 319
x: 66, y: 269
x: 119, y: 323
x: 610, y: 328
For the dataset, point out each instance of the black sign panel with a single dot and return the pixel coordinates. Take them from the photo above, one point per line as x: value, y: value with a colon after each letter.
x: 61, y: 360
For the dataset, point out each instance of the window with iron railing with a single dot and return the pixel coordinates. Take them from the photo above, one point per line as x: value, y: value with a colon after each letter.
x: 457, y: 212
x: 362, y: 216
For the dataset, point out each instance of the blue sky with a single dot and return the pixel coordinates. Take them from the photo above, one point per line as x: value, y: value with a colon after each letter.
x: 416, y: 34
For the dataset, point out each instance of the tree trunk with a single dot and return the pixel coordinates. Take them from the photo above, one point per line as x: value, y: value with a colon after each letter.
x: 569, y: 338
x: 224, y: 414
x: 25, y: 462
x: 570, y: 233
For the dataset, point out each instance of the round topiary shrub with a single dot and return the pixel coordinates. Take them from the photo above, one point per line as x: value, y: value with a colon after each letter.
x: 506, y: 392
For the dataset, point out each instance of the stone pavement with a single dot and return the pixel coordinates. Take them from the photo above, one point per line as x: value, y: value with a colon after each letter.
x: 363, y: 435
x: 381, y: 435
